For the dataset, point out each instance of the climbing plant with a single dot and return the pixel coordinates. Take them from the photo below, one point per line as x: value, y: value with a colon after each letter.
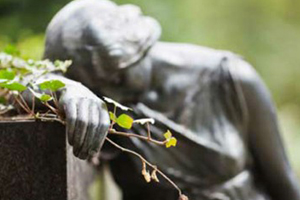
x: 19, y: 77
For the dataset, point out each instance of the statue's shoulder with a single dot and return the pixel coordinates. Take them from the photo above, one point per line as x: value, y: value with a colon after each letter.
x: 213, y: 61
x: 241, y: 70
x: 196, y: 57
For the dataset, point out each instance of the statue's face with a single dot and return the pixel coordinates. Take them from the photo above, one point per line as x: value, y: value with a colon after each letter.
x: 129, y: 84
x: 121, y: 39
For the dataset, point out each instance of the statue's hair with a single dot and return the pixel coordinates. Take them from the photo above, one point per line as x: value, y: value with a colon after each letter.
x: 95, y: 35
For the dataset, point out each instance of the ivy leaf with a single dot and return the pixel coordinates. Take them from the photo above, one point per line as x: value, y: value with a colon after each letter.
x: 124, y: 121
x: 42, y: 97
x: 168, y: 135
x: 14, y: 86
x: 171, y: 141
x: 112, y: 116
x: 144, y: 121
x: 52, y: 85
x: 63, y: 65
x: 45, y: 97
x: 7, y: 74
x: 109, y: 100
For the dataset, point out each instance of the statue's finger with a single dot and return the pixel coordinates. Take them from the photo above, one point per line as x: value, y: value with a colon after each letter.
x: 81, y: 124
x: 71, y: 116
x: 101, y: 133
x: 91, y: 130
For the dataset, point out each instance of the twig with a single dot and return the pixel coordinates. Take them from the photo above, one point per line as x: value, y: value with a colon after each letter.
x: 51, y: 108
x: 154, y: 167
x: 25, y: 104
x: 112, y: 121
x: 112, y: 131
x: 51, y: 119
x: 148, y: 131
x: 53, y: 94
x: 33, y: 103
x: 21, y: 104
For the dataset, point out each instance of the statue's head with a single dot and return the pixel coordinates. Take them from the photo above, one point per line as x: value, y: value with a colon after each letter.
x: 121, y: 35
x: 100, y: 37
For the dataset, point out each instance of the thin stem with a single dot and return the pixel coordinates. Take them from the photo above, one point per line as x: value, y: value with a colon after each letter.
x: 148, y: 131
x: 24, y: 103
x: 45, y: 118
x: 112, y: 131
x: 51, y: 108
x: 113, y: 122
x: 21, y: 104
x: 51, y: 119
x: 115, y: 110
x: 53, y: 94
x: 154, y: 167
x: 33, y: 103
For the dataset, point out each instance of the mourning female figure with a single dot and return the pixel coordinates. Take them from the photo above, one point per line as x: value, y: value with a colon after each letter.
x: 213, y: 101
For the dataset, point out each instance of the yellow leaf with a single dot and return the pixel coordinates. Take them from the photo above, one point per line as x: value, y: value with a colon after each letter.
x: 171, y: 142
x: 168, y: 134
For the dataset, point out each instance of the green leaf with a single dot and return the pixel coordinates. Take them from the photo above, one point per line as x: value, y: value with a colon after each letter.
x: 7, y: 74
x: 124, y: 121
x: 14, y: 86
x: 52, y: 85
x: 45, y: 97
x: 112, y: 117
x: 42, y: 97
x: 63, y: 65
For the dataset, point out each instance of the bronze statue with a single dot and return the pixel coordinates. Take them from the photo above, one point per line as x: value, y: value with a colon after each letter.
x: 213, y: 101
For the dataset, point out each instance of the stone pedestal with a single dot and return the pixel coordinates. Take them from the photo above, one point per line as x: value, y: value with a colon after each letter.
x: 37, y: 164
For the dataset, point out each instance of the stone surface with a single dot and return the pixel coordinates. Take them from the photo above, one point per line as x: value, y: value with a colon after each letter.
x: 35, y: 164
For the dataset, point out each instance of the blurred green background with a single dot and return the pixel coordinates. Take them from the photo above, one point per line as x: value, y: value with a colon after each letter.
x: 266, y: 33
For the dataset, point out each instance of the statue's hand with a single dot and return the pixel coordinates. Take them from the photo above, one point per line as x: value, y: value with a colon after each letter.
x: 87, y: 120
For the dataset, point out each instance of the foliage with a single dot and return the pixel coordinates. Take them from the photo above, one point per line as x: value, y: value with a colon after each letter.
x: 18, y: 75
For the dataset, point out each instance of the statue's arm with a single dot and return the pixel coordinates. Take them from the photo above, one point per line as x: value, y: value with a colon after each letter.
x: 265, y: 142
x: 87, y: 119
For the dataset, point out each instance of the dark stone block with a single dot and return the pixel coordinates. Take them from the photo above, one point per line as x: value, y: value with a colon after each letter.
x: 37, y: 164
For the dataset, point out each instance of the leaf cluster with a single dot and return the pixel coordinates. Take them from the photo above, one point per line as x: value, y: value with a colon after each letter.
x: 18, y: 75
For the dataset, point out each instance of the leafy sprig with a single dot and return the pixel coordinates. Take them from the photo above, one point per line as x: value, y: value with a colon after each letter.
x: 18, y: 75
